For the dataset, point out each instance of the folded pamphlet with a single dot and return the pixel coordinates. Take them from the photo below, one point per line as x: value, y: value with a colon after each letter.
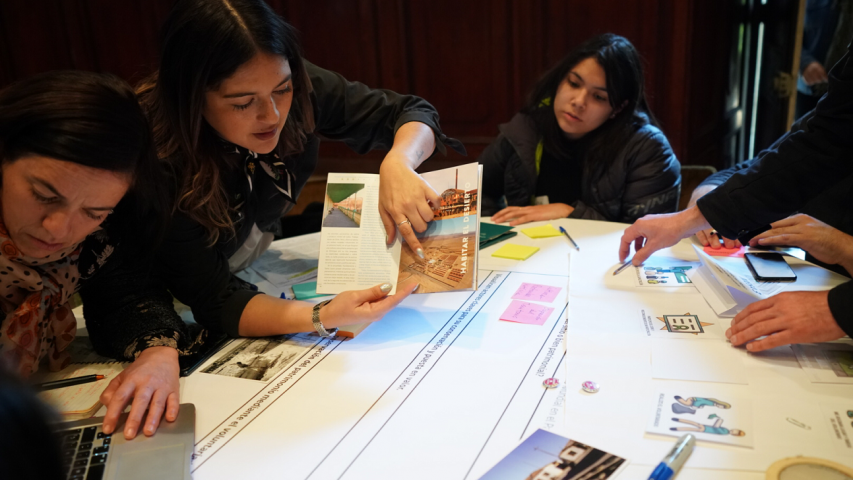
x: 353, y: 251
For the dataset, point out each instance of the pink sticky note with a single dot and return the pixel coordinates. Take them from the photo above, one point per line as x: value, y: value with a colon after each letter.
x: 536, y: 292
x: 725, y: 252
x: 526, y: 312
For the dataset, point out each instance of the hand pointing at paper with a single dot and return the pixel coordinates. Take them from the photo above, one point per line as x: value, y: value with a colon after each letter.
x: 654, y: 232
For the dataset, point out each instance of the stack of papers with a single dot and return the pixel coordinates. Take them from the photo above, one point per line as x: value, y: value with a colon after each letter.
x: 728, y: 292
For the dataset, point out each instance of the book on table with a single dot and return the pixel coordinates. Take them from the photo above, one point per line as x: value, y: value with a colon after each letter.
x: 491, y: 234
x: 353, y: 251
x: 78, y: 401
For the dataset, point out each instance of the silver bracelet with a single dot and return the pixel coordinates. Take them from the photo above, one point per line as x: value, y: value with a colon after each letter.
x: 315, y: 319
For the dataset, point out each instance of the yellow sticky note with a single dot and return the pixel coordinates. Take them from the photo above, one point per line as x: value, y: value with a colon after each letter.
x: 541, y: 232
x: 515, y: 252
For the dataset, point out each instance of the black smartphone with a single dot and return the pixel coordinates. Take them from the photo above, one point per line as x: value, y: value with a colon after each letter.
x: 770, y: 267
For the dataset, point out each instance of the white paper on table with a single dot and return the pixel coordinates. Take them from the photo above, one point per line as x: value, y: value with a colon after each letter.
x: 728, y: 292
x: 681, y: 320
x: 705, y: 415
x: 566, y: 327
x: 826, y: 362
x: 700, y: 361
x: 284, y: 267
x: 839, y: 419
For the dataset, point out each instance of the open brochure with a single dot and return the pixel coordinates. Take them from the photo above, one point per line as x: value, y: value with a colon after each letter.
x: 727, y: 291
x: 353, y: 253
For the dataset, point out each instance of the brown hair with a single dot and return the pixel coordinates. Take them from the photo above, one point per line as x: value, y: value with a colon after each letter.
x: 203, y: 43
x: 94, y: 120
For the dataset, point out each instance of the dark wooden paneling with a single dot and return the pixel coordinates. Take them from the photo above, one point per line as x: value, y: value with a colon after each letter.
x: 338, y: 35
x: 475, y: 60
x: 468, y: 71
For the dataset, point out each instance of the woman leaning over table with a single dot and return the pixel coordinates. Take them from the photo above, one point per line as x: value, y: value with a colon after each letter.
x: 72, y: 144
x: 585, y: 146
x: 239, y: 115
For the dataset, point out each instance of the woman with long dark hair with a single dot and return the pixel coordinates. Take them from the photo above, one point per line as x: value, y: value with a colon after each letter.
x: 585, y: 146
x: 238, y: 114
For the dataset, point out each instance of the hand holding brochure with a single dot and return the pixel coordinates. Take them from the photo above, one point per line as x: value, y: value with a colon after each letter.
x: 353, y: 253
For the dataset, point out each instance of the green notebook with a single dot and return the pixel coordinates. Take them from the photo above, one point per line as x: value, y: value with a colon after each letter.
x: 491, y: 234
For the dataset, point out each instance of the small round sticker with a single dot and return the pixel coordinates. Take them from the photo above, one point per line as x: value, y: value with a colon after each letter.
x: 590, y: 387
x: 551, y: 383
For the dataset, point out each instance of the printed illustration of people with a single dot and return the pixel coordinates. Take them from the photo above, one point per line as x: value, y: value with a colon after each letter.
x: 712, y: 416
x: 717, y: 428
x: 690, y: 404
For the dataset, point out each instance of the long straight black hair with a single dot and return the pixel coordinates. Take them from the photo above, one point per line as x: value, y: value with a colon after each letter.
x: 93, y: 120
x: 203, y: 43
x: 623, y: 71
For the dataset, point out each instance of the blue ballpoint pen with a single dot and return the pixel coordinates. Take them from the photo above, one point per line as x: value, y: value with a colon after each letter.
x: 672, y: 462
x: 570, y: 238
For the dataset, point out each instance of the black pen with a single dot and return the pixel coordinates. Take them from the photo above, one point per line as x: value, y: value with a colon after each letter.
x: 68, y: 382
x: 570, y: 238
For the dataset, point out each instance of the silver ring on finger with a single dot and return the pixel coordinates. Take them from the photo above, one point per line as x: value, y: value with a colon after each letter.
x: 403, y: 223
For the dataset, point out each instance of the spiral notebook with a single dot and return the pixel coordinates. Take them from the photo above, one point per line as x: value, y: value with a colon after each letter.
x: 79, y: 401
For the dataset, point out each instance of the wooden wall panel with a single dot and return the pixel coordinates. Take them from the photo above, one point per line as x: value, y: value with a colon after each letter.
x: 340, y: 35
x: 475, y: 60
x: 467, y: 75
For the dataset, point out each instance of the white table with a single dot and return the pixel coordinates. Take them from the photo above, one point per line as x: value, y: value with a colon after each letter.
x: 441, y: 388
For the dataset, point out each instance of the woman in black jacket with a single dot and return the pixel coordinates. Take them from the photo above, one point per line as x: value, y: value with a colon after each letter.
x: 585, y: 146
x: 238, y: 114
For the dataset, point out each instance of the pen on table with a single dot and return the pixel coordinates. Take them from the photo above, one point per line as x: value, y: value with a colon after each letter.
x: 68, y: 382
x: 672, y: 462
x: 570, y: 238
x: 623, y: 267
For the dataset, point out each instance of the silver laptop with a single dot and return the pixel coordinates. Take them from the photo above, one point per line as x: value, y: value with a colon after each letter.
x: 89, y: 454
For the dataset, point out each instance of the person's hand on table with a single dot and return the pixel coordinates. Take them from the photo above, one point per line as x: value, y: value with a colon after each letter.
x: 533, y: 213
x: 363, y: 306
x: 814, y: 73
x: 151, y: 381
x: 786, y: 318
x: 654, y: 232
x: 825, y: 243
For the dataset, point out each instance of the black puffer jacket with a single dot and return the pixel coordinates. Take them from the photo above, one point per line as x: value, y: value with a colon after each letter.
x: 646, y: 178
